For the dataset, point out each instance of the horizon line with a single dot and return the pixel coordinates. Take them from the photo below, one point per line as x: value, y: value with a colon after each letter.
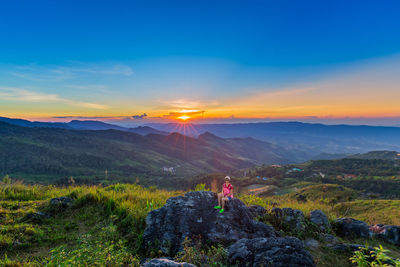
x: 138, y: 122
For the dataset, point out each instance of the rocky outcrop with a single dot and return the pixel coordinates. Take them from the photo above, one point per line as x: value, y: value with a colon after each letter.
x: 193, y: 216
x: 274, y: 252
x: 166, y: 263
x: 292, y: 218
x: 61, y: 202
x: 349, y: 227
x: 319, y: 218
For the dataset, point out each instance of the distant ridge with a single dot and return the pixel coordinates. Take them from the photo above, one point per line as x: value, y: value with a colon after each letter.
x: 384, y: 155
x: 26, y: 123
x: 82, y: 125
x: 93, y: 125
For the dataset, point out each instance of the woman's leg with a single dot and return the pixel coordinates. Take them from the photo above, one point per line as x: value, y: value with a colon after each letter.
x: 224, y: 199
x: 219, y: 199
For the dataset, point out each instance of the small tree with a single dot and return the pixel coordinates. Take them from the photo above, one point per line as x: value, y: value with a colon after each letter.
x: 6, y: 179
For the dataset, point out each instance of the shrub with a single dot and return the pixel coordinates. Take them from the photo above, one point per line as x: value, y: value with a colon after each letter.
x: 375, y: 258
x: 201, y: 187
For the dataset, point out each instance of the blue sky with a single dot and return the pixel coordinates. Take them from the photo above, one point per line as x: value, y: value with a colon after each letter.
x: 121, y: 58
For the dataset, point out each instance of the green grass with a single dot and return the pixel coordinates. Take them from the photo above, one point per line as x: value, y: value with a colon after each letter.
x: 21, y: 192
x: 76, y: 231
x: 105, y: 224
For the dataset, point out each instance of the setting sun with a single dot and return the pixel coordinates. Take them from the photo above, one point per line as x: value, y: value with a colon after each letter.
x: 184, y: 117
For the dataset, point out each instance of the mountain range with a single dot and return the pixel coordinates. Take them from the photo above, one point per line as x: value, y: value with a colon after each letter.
x: 53, y: 153
x: 310, y: 141
x: 313, y: 139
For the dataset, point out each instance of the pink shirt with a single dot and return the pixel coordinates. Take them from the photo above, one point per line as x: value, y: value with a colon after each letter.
x: 227, y: 189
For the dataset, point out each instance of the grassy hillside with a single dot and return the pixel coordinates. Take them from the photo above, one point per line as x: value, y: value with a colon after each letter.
x: 371, y: 211
x: 357, y: 166
x: 105, y: 224
x: 328, y: 193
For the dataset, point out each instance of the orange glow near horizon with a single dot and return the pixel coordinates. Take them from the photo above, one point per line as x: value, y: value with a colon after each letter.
x: 183, y: 118
x: 220, y: 114
x: 291, y: 104
x: 360, y: 90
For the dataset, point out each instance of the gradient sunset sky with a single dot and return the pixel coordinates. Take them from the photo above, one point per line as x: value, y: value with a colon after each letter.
x: 136, y: 62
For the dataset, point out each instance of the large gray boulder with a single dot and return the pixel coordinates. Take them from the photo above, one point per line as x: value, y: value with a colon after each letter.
x: 319, y: 218
x: 166, y: 263
x: 291, y: 218
x: 274, y: 252
x: 390, y: 233
x: 193, y: 216
x: 349, y: 227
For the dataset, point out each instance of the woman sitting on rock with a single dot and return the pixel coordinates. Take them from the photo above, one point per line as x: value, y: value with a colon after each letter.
x: 226, y: 194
